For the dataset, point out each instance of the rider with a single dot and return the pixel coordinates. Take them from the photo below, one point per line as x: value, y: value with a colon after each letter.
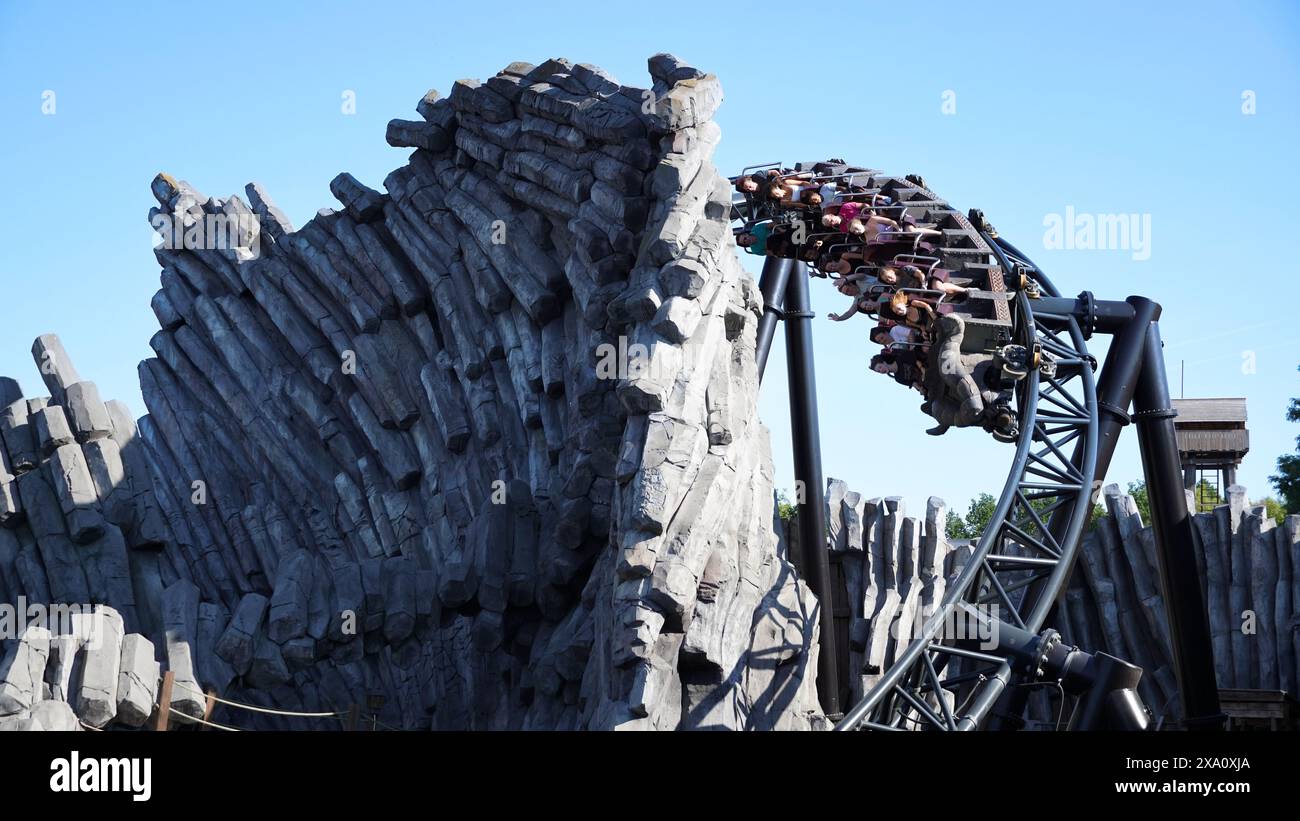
x: 754, y: 241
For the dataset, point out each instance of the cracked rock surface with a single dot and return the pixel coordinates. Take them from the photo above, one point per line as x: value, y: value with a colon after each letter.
x: 480, y: 447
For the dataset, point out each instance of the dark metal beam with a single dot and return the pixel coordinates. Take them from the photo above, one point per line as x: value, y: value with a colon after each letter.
x: 809, y: 483
x: 1094, y: 316
x: 772, y: 284
x: 1176, y: 543
x: 1117, y: 382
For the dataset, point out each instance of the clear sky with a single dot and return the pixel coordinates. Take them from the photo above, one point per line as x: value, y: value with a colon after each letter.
x: 1026, y: 110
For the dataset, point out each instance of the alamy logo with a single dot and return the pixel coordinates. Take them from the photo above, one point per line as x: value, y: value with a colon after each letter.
x: 127, y: 775
x: 181, y: 231
x: 1073, y: 231
x: 59, y: 619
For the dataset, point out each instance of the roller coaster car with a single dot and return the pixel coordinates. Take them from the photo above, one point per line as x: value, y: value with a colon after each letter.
x: 986, y: 308
x: 973, y: 367
x: 838, y: 169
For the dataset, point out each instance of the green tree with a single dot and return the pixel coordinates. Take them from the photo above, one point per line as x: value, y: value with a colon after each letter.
x: 954, y: 527
x: 1287, y: 478
x: 1207, y: 498
x: 978, y: 514
x: 972, y: 525
x: 784, y: 508
x: 1138, y: 490
x: 1097, y: 512
x: 1273, y: 508
x: 980, y: 511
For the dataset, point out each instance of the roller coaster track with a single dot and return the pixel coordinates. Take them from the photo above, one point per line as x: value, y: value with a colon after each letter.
x: 1024, y: 557
x: 988, y: 634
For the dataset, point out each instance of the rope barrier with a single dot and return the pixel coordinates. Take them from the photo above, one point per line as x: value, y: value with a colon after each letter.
x: 338, y: 716
x: 188, y: 717
x: 255, y: 709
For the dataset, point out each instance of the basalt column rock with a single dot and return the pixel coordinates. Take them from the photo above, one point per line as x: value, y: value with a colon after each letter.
x: 479, y: 445
x: 1248, y: 568
x: 1113, y: 602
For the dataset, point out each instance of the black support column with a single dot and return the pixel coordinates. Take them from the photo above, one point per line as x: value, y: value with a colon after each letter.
x: 772, y: 284
x: 809, y: 483
x: 1118, y: 381
x: 1189, y: 624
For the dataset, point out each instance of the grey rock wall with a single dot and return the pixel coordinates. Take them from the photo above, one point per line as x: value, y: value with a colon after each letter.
x: 1247, y: 566
x: 890, y: 571
x: 890, y: 568
x: 481, y: 447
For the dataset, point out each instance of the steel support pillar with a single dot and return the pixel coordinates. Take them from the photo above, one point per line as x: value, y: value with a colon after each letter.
x: 1118, y: 381
x: 1093, y: 315
x: 772, y: 284
x: 1189, y: 624
x: 809, y: 483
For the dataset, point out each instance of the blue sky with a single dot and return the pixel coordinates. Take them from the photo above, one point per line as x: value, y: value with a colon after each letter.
x: 1102, y: 108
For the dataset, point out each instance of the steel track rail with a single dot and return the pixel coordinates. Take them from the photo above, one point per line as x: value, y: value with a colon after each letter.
x: 933, y: 684
x: 1024, y: 556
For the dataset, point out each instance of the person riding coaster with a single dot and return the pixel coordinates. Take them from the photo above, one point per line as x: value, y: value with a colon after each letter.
x: 777, y: 240
x: 875, y: 292
x: 907, y: 367
x: 913, y: 307
x: 754, y: 239
x: 890, y: 336
x: 922, y: 272
x: 891, y: 268
x: 864, y: 289
x: 859, y: 220
x: 843, y: 256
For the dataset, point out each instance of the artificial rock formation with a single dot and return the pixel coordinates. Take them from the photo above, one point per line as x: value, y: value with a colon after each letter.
x: 890, y: 569
x: 479, y: 450
x: 1247, y: 565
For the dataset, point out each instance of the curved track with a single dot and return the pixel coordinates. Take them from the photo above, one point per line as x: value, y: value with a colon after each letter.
x: 1024, y: 557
